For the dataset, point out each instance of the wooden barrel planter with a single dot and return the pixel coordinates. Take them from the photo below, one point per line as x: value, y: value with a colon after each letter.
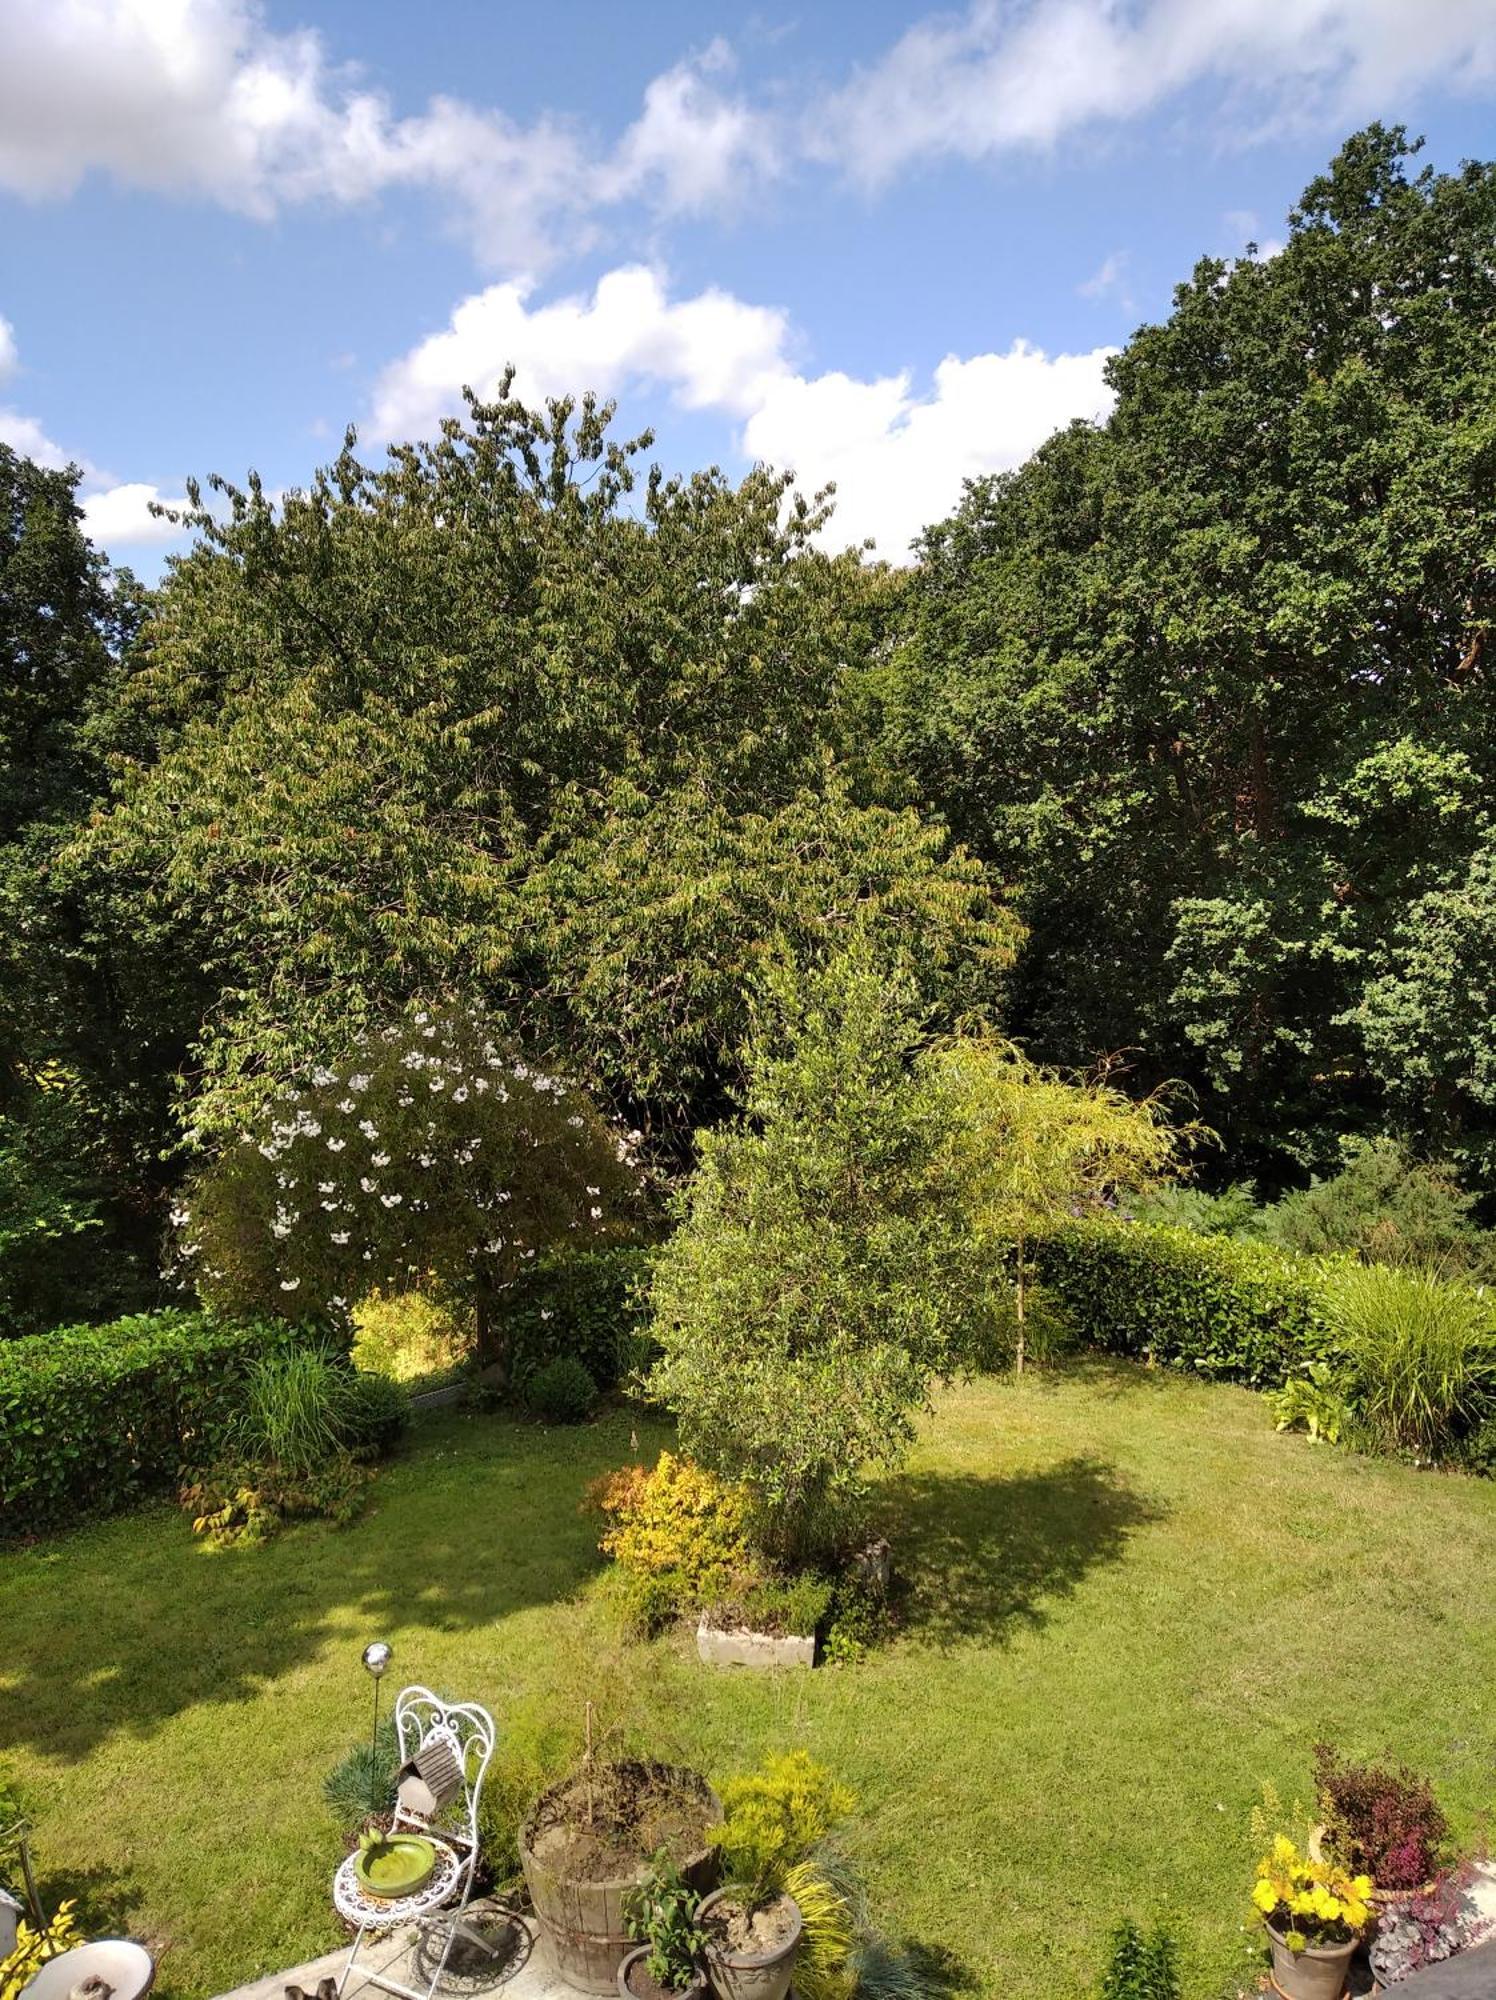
x: 587, y: 1843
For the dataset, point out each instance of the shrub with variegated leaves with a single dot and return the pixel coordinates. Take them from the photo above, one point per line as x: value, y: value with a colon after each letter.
x: 435, y: 1154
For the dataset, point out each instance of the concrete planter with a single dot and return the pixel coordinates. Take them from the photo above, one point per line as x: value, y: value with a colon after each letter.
x: 1317, y: 1973
x: 750, y: 1975
x: 737, y: 1646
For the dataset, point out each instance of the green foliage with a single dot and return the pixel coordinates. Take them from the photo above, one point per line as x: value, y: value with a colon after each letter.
x: 244, y: 1503
x: 1418, y: 1355
x: 1388, y: 1208
x: 1230, y: 1211
x: 820, y: 1278
x: 775, y: 1818
x: 292, y: 1408
x: 678, y: 1533
x: 430, y: 1155
x: 1140, y: 1966
x: 1210, y: 683
x: 362, y: 1783
x: 560, y: 1391
x: 507, y: 724
x: 410, y: 1336
x: 660, y: 1911
x: 375, y: 1415
x: 589, y: 1304
x: 92, y: 1418
x: 1317, y: 1401
x: 829, y: 1900
x: 1235, y: 1311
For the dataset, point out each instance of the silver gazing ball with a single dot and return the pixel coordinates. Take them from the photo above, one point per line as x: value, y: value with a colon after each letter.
x: 377, y: 1657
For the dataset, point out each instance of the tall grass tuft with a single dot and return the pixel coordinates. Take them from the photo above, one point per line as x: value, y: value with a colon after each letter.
x: 295, y: 1410
x: 1420, y: 1352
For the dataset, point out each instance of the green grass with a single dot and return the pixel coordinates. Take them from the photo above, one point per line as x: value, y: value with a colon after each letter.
x: 1131, y: 1603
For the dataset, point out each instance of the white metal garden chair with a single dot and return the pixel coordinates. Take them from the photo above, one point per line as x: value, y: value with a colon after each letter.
x: 461, y: 1736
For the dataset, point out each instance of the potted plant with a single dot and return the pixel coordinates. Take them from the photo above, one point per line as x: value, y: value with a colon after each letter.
x: 588, y: 1842
x: 772, y: 1822
x: 1315, y: 1915
x: 661, y: 1914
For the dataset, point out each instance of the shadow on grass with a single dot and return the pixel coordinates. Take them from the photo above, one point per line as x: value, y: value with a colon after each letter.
x: 125, y: 1626
x: 1109, y: 1377
x: 983, y: 1557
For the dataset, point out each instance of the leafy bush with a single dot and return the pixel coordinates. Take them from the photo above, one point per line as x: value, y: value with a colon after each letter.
x: 822, y: 1275
x: 1230, y: 1211
x: 561, y: 1391
x: 660, y: 1911
x: 828, y: 1901
x: 34, y: 1948
x: 375, y: 1414
x: 1387, y: 1208
x: 92, y: 1418
x: 1234, y: 1311
x: 242, y: 1505
x: 1381, y: 1818
x: 409, y: 1336
x: 1317, y: 1401
x: 361, y: 1785
x: 591, y: 1305
x: 1425, y: 1929
x: 434, y: 1156
x: 1419, y: 1355
x: 775, y: 1818
x: 678, y: 1524
x: 1310, y: 1900
x: 1140, y: 1965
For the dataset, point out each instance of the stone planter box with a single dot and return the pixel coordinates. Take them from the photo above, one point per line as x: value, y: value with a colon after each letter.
x: 737, y: 1646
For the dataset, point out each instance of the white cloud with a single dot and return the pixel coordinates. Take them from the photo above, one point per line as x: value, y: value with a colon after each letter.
x: 999, y: 77
x: 1109, y: 280
x: 897, y: 455
x: 115, y: 514
x: 201, y: 98
x: 711, y: 351
x: 121, y: 517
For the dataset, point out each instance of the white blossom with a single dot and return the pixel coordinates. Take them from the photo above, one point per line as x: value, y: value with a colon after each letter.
x: 336, y: 1145
x: 379, y: 1159
x: 289, y: 1284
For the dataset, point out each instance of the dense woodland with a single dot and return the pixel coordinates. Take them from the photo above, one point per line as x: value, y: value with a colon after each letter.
x: 1175, y: 744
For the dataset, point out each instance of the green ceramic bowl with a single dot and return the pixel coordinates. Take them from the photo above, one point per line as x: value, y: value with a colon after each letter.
x: 400, y: 1865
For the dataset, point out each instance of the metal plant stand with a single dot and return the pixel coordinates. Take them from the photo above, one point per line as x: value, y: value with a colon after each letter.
x: 427, y: 1727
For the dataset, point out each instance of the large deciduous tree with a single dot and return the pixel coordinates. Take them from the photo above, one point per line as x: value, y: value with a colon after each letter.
x: 492, y: 719
x: 1212, y: 681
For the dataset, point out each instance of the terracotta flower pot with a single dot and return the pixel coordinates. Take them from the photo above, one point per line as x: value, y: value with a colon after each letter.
x: 695, y: 1991
x: 1318, y: 1972
x: 748, y: 1975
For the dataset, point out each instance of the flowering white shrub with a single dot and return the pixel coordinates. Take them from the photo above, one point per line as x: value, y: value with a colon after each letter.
x: 436, y: 1154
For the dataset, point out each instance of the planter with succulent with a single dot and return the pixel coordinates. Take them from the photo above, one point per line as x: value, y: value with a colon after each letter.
x: 1316, y: 1914
x: 1382, y: 1820
x: 661, y: 1913
x: 773, y: 1821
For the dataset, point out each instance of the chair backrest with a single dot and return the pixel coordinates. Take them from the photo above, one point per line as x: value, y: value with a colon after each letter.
x: 422, y: 1717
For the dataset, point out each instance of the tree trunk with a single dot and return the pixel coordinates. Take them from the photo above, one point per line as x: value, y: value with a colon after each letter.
x: 1018, y: 1363
x: 492, y: 1347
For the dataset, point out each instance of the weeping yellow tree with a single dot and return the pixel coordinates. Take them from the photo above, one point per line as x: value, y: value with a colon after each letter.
x: 1037, y: 1145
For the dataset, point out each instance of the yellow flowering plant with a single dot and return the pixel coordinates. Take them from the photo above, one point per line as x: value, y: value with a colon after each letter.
x: 1308, y: 1900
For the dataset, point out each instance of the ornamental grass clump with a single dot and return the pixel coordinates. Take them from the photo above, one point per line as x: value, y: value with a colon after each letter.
x: 1418, y: 1356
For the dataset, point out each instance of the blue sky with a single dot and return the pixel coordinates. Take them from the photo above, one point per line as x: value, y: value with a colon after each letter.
x: 885, y: 246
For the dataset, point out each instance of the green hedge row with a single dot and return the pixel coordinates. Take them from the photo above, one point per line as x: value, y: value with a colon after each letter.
x: 94, y: 1417
x: 589, y: 1304
x: 1236, y: 1311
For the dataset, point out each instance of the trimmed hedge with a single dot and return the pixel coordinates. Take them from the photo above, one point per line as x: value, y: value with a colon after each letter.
x: 94, y: 1417
x: 587, y: 1306
x: 1235, y: 1311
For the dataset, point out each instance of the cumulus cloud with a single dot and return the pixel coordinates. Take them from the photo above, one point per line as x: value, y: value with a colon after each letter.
x: 114, y: 514
x: 898, y: 454
x: 201, y: 98
x: 999, y: 76
x: 120, y: 516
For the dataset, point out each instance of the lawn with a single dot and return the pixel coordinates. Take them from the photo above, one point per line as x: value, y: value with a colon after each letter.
x: 1130, y: 1603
